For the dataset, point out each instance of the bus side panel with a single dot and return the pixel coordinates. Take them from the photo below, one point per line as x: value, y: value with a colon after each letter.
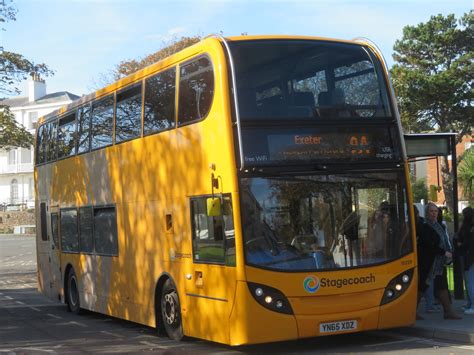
x: 251, y: 323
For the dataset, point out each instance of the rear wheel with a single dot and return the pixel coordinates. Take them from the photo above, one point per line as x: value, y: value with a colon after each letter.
x: 171, y: 311
x: 72, y: 294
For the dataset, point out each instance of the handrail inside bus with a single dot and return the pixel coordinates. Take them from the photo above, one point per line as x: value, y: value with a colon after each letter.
x: 365, y: 40
x: 236, y: 101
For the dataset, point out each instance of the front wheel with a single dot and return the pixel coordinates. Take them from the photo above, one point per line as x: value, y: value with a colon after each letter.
x: 171, y: 311
x: 72, y: 293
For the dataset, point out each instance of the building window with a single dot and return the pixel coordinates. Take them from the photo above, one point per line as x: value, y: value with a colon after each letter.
x: 32, y: 119
x: 12, y: 157
x: 25, y: 156
x: 31, y: 188
x: 14, y: 191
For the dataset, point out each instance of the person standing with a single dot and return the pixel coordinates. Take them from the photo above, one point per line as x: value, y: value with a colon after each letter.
x: 424, y: 277
x: 466, y: 240
x: 434, y: 238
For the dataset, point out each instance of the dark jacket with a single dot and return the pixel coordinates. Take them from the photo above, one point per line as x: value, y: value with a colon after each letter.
x: 428, y: 248
x: 466, y: 238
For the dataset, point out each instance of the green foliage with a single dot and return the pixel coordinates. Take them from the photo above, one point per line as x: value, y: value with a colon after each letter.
x: 433, y: 78
x: 13, y: 66
x: 420, y: 190
x: 466, y: 174
x: 433, y: 75
x: 12, y: 135
x: 13, y: 69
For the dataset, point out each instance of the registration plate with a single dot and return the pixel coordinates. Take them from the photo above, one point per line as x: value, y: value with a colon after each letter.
x: 335, y: 327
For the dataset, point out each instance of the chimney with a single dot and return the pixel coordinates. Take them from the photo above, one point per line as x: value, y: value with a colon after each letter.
x: 36, y: 87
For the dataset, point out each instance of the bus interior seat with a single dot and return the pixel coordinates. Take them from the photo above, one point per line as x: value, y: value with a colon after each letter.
x: 305, y: 98
x: 273, y: 106
x: 332, y: 103
x: 303, y: 105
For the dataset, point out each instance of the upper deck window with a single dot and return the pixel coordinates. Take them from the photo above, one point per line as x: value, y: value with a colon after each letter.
x: 84, y: 129
x: 159, y: 102
x: 196, y: 90
x: 67, y: 136
x: 51, y: 146
x: 102, y: 123
x: 128, y: 114
x: 296, y: 79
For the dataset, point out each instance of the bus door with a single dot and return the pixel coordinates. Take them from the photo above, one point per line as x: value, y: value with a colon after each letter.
x: 54, y: 253
x: 210, y: 284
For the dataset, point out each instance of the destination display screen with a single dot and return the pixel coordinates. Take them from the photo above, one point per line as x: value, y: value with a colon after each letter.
x: 264, y: 146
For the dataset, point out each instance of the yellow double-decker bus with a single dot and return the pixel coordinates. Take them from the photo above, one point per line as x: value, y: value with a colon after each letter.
x: 244, y: 190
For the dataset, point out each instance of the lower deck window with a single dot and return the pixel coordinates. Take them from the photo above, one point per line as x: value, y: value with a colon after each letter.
x: 69, y: 237
x: 105, y: 231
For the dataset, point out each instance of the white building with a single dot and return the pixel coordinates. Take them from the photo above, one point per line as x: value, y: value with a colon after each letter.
x: 16, y: 165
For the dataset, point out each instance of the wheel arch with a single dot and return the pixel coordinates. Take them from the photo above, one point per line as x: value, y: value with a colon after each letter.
x: 67, y: 270
x: 158, y: 290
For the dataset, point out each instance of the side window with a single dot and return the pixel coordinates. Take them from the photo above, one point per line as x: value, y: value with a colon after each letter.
x: 51, y: 136
x: 69, y: 237
x: 196, y: 90
x: 67, y: 136
x: 128, y: 114
x: 86, y: 238
x: 213, y: 236
x: 44, y: 230
x: 105, y: 231
x: 83, y: 129
x: 55, y: 228
x: 102, y: 123
x: 160, y: 101
x: 41, y: 145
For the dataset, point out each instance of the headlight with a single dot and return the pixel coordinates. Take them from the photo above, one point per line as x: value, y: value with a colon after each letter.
x: 270, y: 298
x: 397, y: 286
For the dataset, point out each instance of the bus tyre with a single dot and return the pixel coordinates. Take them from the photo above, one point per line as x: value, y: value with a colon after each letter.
x: 72, y: 294
x: 171, y: 311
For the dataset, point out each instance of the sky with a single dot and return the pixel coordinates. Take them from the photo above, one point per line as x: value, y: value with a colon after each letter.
x: 84, y: 39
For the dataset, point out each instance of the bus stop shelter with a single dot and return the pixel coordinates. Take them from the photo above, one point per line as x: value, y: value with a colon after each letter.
x: 431, y: 145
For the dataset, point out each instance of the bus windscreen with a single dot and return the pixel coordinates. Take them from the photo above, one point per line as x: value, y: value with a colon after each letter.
x: 324, y: 222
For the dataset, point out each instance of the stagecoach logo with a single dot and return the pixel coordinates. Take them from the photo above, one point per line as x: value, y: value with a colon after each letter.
x: 311, y: 284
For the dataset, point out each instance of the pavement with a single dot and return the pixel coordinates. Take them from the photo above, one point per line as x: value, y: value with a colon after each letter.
x: 434, y: 326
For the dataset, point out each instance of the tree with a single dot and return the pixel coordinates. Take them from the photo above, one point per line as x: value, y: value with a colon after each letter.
x: 14, y: 68
x: 12, y: 135
x: 127, y: 67
x: 466, y: 174
x: 420, y: 191
x: 434, y: 76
